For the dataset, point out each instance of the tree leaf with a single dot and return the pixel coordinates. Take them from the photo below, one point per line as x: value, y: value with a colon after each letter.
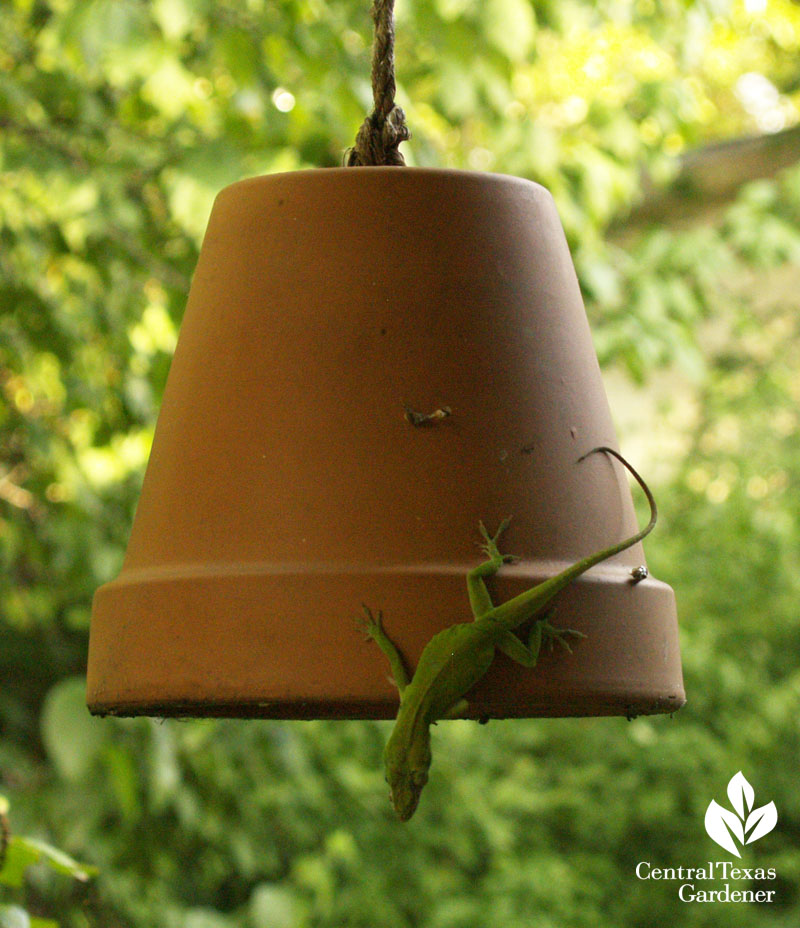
x: 35, y: 851
x: 19, y: 856
x: 72, y: 737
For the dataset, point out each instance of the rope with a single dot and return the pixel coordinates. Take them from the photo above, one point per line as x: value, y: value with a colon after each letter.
x: 381, y: 132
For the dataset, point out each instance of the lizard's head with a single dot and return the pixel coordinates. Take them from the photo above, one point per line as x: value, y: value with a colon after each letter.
x: 407, y: 768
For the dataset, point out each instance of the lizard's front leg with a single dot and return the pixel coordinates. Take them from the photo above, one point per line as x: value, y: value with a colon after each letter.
x: 479, y: 598
x: 373, y: 627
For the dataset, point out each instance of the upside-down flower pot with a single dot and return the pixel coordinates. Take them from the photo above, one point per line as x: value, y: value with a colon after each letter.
x: 287, y: 487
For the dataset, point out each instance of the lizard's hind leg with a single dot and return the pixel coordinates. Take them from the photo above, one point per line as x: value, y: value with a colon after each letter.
x: 541, y: 631
x: 479, y: 598
x: 373, y: 627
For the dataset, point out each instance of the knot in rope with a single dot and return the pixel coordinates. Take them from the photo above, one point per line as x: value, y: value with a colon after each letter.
x: 385, y: 128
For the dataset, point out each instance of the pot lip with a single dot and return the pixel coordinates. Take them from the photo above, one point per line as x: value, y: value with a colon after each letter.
x: 530, y: 572
x: 404, y: 174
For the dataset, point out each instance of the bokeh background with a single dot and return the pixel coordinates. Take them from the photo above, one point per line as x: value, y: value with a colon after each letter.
x: 668, y: 132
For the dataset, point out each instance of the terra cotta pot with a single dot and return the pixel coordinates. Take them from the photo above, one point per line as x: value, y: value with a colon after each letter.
x: 286, y: 485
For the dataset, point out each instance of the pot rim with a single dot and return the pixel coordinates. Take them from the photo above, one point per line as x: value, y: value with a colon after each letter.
x: 445, y: 175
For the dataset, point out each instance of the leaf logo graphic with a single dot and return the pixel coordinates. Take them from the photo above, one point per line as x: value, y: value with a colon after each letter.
x: 745, y: 824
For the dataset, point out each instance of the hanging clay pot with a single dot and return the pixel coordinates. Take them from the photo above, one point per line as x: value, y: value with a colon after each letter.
x: 287, y: 486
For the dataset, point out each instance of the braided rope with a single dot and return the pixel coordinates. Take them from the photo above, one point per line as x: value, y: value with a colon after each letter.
x: 385, y: 128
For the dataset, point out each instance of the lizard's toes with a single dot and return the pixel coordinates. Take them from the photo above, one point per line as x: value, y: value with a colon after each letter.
x: 561, y: 634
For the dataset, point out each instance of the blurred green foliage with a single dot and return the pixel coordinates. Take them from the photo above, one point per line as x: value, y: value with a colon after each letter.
x: 119, y: 121
x: 17, y: 855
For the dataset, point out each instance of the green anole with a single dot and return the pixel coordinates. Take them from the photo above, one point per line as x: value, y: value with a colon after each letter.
x: 457, y: 657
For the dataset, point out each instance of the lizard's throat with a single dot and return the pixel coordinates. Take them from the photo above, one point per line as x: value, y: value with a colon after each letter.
x: 410, y: 739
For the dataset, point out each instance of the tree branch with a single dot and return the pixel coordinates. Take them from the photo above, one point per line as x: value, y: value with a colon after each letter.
x: 708, y: 178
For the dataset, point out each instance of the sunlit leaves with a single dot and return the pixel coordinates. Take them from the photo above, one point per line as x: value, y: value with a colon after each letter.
x: 510, y: 25
x: 176, y: 17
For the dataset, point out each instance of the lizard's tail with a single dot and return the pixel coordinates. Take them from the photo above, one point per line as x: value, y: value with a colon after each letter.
x: 645, y: 488
x: 514, y: 612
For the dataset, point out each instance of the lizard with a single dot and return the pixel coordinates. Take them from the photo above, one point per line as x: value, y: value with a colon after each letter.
x: 459, y: 655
